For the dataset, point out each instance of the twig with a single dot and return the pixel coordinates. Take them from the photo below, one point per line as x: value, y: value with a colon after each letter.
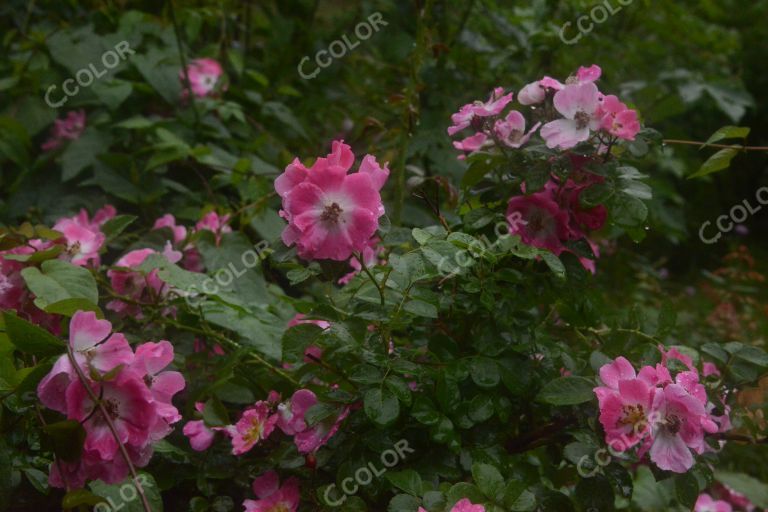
x: 183, y: 59
x: 726, y: 146
x: 364, y: 267
x: 233, y: 345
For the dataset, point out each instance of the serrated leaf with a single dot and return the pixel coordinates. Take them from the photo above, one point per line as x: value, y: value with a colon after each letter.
x: 569, y: 390
x: 727, y: 132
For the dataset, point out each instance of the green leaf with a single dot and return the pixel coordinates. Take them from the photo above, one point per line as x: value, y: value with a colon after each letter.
x: 424, y: 411
x: 82, y: 153
x: 594, y: 493
x: 6, y: 475
x: 381, y: 406
x: 489, y: 480
x: 68, y: 307
x: 215, y: 414
x: 14, y: 142
x: 717, y: 162
x: 686, y: 489
x: 421, y: 308
x: 60, y: 280
x: 125, y: 497
x: 297, y: 339
x: 408, y: 481
x: 569, y: 390
x: 67, y: 437
x: 403, y: 503
x: 464, y: 490
x: 485, y: 372
x: 78, y: 497
x: 30, y: 338
x: 319, y: 412
x: 113, y: 227
x: 727, y: 132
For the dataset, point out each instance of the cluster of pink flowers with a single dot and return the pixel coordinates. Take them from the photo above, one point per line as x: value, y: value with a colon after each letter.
x: 83, y: 239
x: 463, y: 505
x: 554, y: 216
x: 204, y: 78
x: 573, y: 112
x: 664, y: 416
x: 68, y: 128
x: 132, y: 388
x: 258, y: 422
x: 331, y: 214
x: 128, y: 281
x: 272, y: 497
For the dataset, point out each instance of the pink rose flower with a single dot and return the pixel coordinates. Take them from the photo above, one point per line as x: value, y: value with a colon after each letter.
x: 83, y: 236
x: 273, y: 497
x: 466, y: 114
x: 70, y: 127
x: 578, y: 104
x: 331, y: 213
x: 539, y: 220
x: 204, y: 75
x: 255, y: 425
x: 292, y: 422
x: 511, y: 129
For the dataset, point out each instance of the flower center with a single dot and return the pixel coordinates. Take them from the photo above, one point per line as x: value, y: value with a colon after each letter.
x: 331, y: 213
x: 254, y: 433
x: 674, y: 423
x: 112, y: 408
x: 582, y: 119
x: 633, y: 415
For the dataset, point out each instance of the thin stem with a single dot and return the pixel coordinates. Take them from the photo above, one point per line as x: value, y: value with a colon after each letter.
x: 626, y: 331
x: 233, y: 345
x: 364, y: 267
x: 726, y: 146
x: 108, y: 419
x: 183, y: 59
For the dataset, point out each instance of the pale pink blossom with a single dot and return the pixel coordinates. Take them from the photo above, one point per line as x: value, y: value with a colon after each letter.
x: 493, y: 107
x: 705, y: 503
x: 199, y: 434
x: 511, y: 130
x: 215, y: 223
x: 578, y: 104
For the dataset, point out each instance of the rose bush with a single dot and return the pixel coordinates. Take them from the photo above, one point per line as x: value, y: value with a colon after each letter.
x: 209, y: 302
